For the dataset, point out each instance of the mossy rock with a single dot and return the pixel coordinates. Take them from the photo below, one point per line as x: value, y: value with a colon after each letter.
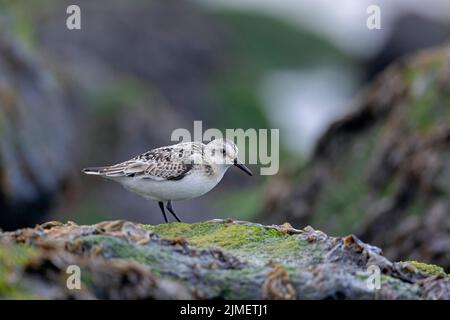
x: 382, y: 171
x: 218, y: 259
x: 429, y: 269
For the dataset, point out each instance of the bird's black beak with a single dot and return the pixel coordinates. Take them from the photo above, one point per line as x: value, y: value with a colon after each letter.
x: 241, y: 166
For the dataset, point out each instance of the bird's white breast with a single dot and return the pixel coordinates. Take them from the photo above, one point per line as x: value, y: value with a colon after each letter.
x: 192, y: 185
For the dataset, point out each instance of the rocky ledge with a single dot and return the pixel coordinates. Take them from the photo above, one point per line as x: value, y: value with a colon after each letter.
x: 218, y: 259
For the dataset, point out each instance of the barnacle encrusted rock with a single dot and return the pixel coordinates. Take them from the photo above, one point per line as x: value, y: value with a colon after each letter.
x: 223, y: 259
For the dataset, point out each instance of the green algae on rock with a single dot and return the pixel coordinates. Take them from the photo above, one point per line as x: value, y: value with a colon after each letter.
x: 429, y: 269
x: 218, y: 259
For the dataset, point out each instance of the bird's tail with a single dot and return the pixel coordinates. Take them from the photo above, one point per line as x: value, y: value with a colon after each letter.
x: 94, y: 170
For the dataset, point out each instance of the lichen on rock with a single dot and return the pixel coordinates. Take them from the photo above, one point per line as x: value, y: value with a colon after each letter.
x: 218, y: 259
x: 430, y: 269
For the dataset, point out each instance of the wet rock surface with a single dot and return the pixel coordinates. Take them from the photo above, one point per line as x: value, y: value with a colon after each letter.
x: 218, y: 259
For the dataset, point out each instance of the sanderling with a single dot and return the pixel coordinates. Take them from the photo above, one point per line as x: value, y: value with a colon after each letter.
x: 177, y: 172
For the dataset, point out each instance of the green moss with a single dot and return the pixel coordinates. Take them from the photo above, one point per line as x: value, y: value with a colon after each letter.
x: 429, y: 269
x: 12, y: 259
x: 223, y: 235
x: 185, y: 230
x: 234, y: 236
x: 254, y: 243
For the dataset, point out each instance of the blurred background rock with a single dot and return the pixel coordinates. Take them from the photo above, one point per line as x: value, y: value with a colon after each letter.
x: 138, y: 70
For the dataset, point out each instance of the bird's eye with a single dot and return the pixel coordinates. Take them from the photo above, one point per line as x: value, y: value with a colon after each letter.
x: 224, y: 152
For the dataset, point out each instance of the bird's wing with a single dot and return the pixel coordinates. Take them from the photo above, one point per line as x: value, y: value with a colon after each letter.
x: 165, y: 163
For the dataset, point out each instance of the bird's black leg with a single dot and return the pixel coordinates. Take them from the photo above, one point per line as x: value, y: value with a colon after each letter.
x: 169, y: 207
x: 161, y: 206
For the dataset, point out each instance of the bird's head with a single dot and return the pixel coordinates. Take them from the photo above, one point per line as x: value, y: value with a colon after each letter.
x: 224, y: 152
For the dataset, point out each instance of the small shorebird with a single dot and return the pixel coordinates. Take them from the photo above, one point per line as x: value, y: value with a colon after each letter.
x: 178, y: 172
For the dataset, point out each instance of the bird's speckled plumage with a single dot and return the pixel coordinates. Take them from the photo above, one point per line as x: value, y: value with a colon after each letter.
x: 177, y: 172
x: 165, y: 163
